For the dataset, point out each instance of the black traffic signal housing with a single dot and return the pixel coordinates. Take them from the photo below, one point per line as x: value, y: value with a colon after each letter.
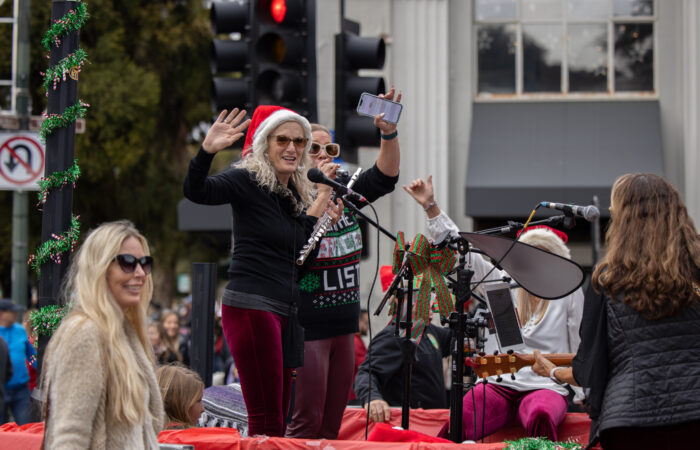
x: 283, y: 66
x: 352, y: 53
x: 229, y: 58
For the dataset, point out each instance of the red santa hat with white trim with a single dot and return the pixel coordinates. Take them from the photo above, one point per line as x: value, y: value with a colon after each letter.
x: 265, y: 119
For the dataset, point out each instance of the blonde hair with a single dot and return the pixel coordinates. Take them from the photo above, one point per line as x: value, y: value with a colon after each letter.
x: 92, y: 300
x: 529, y: 305
x: 653, y: 252
x: 180, y: 388
x: 258, y: 163
x: 318, y: 127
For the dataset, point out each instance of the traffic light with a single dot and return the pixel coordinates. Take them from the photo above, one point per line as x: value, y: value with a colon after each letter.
x: 352, y: 53
x: 284, y: 47
x: 231, y: 57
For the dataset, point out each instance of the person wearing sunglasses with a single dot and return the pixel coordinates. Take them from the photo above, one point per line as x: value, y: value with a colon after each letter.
x: 98, y: 378
x: 330, y: 310
x: 274, y: 208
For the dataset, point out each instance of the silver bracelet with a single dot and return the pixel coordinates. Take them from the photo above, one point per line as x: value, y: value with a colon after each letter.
x: 430, y: 205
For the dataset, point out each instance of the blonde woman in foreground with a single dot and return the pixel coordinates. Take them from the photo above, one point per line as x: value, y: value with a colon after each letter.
x: 99, y: 375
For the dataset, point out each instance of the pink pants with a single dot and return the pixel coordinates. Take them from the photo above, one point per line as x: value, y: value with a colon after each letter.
x: 540, y: 411
x: 255, y: 340
x: 322, y: 388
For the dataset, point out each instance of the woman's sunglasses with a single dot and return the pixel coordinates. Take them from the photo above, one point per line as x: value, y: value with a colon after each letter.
x: 283, y: 141
x: 332, y: 149
x: 128, y: 263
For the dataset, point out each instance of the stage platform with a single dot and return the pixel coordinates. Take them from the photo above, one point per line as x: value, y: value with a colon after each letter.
x: 351, y: 437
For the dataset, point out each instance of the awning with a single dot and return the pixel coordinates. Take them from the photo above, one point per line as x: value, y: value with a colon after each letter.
x: 523, y: 153
x: 194, y: 217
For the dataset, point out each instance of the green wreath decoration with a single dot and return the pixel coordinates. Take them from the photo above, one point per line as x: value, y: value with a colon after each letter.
x: 71, y: 66
x: 55, y: 121
x: 57, y: 180
x: 52, y: 250
x: 541, y: 443
x: 47, y: 319
x: 72, y: 21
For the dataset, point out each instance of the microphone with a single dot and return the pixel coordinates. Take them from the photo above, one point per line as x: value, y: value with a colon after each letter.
x: 317, y: 176
x: 590, y: 212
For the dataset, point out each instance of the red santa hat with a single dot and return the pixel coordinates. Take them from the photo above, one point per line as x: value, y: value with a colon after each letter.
x: 546, y: 238
x: 265, y: 119
x: 386, y: 276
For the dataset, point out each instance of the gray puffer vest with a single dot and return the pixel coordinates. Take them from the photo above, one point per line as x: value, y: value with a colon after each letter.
x: 654, y: 377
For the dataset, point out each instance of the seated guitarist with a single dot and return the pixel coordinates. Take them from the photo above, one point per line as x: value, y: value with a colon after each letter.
x: 538, y: 404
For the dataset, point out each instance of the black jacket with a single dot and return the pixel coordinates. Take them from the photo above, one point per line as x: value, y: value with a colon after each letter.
x: 427, y: 380
x: 267, y: 232
x: 641, y: 373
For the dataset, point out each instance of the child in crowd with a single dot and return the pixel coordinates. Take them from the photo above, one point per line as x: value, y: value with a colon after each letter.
x: 158, y: 336
x: 182, y: 391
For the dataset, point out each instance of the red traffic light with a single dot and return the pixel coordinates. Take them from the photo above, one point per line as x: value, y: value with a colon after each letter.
x: 278, y: 10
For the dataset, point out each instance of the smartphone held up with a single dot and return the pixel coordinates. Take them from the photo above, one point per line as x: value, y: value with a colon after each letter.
x: 371, y: 105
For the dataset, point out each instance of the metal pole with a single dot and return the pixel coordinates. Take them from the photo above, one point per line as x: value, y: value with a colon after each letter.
x: 202, y: 337
x: 60, y: 151
x: 20, y: 217
x: 595, y: 233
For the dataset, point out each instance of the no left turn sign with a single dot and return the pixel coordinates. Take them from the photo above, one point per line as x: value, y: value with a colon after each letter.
x: 21, y: 161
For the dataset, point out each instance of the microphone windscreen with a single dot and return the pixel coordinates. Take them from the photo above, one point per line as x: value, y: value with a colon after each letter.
x: 591, y: 213
x: 315, y: 175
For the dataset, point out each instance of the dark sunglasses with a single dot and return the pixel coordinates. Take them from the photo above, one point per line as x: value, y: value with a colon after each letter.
x: 283, y: 141
x: 128, y: 263
x: 332, y: 149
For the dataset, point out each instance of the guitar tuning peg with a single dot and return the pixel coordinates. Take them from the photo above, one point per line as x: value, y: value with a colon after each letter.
x: 495, y: 353
x: 512, y: 376
x: 499, y: 379
x: 482, y: 354
x: 510, y: 352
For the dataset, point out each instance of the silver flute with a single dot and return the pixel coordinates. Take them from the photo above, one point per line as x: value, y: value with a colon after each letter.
x: 323, y: 224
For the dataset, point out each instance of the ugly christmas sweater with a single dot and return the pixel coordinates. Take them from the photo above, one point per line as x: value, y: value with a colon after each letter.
x: 330, y: 303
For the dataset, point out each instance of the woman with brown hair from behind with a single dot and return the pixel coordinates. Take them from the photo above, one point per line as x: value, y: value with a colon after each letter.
x: 640, y: 332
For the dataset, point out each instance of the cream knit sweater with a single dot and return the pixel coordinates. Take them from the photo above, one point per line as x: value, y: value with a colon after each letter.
x: 78, y: 416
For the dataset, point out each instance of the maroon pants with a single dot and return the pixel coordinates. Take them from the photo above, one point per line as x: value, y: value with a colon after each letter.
x: 322, y: 388
x: 540, y: 412
x: 255, y: 340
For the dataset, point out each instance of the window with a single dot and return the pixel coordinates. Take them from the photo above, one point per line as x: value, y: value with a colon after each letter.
x: 571, y: 47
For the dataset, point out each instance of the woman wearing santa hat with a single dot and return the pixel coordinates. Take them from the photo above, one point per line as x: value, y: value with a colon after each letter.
x: 551, y: 326
x: 274, y: 212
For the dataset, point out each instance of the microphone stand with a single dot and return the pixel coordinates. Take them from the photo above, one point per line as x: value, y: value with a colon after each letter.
x: 356, y: 210
x: 408, y: 345
x: 563, y: 219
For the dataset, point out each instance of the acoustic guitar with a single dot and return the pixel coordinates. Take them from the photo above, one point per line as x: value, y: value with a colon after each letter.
x: 505, y: 363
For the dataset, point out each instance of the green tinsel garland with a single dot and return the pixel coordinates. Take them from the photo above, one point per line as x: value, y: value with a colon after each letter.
x: 52, y: 250
x: 47, y: 319
x: 72, y: 21
x: 58, y: 73
x: 57, y: 180
x: 541, y: 443
x: 54, y: 121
